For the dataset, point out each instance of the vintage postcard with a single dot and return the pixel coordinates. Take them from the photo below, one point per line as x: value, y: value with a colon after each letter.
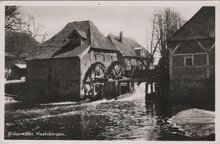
x: 109, y: 71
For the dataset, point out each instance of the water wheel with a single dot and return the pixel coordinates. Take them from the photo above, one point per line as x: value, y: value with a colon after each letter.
x: 115, y: 71
x: 94, y: 80
x: 138, y: 71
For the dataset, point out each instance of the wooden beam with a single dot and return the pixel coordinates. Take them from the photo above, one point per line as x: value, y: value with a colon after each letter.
x: 177, y: 46
x: 146, y: 88
x: 201, y: 46
x: 212, y: 47
x: 151, y: 88
x: 171, y: 62
x: 189, y: 54
x: 208, y: 65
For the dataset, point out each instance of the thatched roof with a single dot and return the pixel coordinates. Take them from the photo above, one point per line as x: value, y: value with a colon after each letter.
x: 127, y: 46
x: 94, y: 39
x: 200, y: 26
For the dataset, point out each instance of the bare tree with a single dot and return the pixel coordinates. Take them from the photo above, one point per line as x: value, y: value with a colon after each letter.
x: 168, y: 23
x: 13, y: 18
x: 17, y: 21
x: 21, y: 32
x: 165, y: 24
x: 34, y: 28
x: 154, y: 40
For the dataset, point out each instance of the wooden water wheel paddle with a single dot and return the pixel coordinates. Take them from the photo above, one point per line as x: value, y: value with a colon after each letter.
x: 93, y: 81
x: 115, y: 71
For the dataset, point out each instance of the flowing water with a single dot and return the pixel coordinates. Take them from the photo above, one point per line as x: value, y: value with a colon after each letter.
x: 129, y: 117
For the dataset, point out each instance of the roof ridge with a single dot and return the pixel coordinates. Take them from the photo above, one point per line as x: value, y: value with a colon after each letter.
x: 94, y: 37
x: 90, y: 33
x: 127, y: 47
x: 184, y: 25
x: 189, y: 22
x: 129, y: 38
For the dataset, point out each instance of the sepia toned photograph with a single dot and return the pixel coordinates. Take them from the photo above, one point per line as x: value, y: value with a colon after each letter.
x: 109, y: 72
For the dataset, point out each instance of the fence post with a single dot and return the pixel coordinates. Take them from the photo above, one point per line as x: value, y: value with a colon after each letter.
x: 146, y: 92
x: 116, y: 90
x: 151, y: 88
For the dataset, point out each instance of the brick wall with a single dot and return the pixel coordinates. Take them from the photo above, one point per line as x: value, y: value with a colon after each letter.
x: 92, y: 57
x: 190, y: 84
x: 200, y: 60
x: 54, y: 78
x: 178, y: 61
x: 196, y: 72
x: 212, y: 58
x: 129, y: 62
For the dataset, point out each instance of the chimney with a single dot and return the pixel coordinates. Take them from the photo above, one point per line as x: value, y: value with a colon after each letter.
x: 121, y: 36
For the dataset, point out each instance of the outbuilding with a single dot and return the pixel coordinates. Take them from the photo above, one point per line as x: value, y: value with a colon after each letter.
x: 18, y: 72
x: 192, y: 57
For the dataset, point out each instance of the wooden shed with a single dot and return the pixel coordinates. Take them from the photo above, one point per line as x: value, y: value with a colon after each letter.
x: 10, y: 59
x: 65, y: 65
x: 18, y: 71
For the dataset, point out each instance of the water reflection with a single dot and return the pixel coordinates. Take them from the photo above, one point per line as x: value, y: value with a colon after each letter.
x: 133, y: 116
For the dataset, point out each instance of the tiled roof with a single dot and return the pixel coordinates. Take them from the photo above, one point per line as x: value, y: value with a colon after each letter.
x: 44, y: 52
x: 95, y: 39
x: 200, y: 26
x: 83, y: 34
x: 188, y: 47
x: 74, y: 52
x: 126, y: 46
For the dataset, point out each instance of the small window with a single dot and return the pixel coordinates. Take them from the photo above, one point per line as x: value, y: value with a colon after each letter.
x: 188, y: 61
x: 99, y: 57
x: 92, y: 56
x: 111, y: 58
x: 103, y: 58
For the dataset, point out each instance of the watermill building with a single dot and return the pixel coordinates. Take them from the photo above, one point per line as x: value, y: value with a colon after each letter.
x: 132, y: 55
x: 66, y: 66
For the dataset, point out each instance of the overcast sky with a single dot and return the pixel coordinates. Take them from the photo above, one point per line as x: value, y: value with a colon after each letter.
x: 135, y: 22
